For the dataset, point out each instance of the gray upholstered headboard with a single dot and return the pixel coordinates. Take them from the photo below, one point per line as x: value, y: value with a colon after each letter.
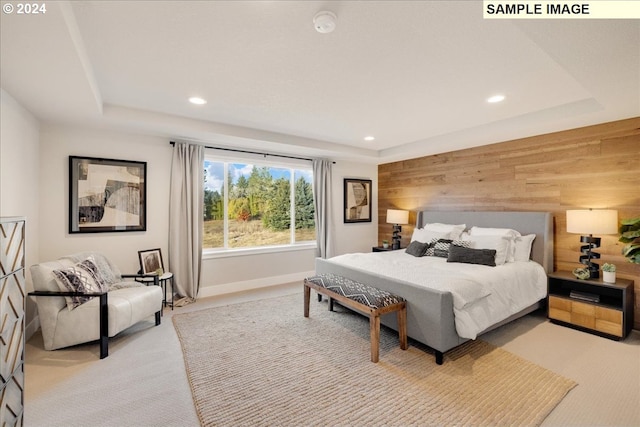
x: 538, y: 223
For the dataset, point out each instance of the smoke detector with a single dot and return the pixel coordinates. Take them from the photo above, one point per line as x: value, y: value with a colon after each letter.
x: 325, y: 22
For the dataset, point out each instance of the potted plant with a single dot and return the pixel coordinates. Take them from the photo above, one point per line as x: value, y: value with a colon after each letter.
x: 385, y: 244
x: 630, y: 234
x: 609, y: 272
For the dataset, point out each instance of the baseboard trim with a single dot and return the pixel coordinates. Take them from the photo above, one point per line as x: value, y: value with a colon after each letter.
x: 248, y: 285
x: 32, y: 327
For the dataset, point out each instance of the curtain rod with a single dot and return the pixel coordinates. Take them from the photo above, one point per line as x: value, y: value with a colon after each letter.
x: 253, y: 152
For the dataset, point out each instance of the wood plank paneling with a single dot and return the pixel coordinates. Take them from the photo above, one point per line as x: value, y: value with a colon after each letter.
x: 591, y: 167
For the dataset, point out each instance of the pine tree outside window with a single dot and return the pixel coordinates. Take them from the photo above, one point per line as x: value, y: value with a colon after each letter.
x: 252, y: 205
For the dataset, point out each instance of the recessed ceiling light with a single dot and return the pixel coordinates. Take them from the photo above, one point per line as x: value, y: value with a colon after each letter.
x: 196, y: 100
x: 496, y: 98
x: 369, y: 138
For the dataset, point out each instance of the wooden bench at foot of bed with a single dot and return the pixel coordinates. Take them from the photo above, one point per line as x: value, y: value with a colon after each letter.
x: 365, y: 299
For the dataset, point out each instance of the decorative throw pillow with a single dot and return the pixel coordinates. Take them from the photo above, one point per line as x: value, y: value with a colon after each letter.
x: 440, y: 247
x: 501, y: 244
x: 508, y: 233
x: 417, y: 249
x: 523, y: 247
x: 426, y: 236
x: 472, y: 256
x: 82, y: 277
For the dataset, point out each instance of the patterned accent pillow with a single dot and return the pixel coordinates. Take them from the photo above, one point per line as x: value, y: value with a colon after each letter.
x: 82, y: 277
x: 440, y: 247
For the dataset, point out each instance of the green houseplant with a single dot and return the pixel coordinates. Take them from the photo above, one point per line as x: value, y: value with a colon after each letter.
x: 609, y: 272
x: 630, y: 234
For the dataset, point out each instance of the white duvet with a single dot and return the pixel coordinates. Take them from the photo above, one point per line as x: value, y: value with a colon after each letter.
x: 482, y: 295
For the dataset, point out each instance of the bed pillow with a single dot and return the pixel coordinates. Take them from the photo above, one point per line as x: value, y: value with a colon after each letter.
x: 472, y: 256
x: 426, y: 236
x: 509, y: 233
x: 82, y: 277
x: 486, y: 231
x: 417, y: 248
x: 440, y: 247
x: 501, y: 244
x: 453, y: 230
x: 523, y: 247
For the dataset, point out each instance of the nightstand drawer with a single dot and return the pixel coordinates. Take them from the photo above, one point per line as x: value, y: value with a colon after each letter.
x: 560, y: 303
x: 584, y: 320
x: 609, y: 315
x: 559, y: 309
x: 584, y: 309
x: 609, y: 327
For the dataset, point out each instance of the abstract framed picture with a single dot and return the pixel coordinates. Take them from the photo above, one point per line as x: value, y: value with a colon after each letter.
x: 151, y: 261
x: 107, y: 195
x: 357, y: 200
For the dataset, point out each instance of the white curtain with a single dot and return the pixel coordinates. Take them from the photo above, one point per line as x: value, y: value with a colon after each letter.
x: 186, y: 196
x: 323, y: 209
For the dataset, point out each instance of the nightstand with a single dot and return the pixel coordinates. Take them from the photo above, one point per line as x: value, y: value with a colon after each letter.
x: 381, y: 249
x: 591, y: 305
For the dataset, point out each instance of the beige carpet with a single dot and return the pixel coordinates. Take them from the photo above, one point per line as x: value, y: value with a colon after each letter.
x: 262, y: 363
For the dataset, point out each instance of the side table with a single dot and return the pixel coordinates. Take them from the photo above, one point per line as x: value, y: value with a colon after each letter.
x: 383, y: 249
x: 165, y: 278
x: 591, y: 305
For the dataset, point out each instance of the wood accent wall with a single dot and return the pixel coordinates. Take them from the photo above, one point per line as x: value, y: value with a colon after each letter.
x: 591, y: 167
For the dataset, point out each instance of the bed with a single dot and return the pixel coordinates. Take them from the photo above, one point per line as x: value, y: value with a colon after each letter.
x: 434, y: 312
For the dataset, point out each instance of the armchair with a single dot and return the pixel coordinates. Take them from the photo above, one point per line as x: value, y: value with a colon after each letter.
x: 68, y: 316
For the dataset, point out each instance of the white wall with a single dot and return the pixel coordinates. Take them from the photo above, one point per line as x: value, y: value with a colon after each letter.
x: 19, y: 190
x: 60, y: 142
x: 220, y: 275
x: 354, y: 237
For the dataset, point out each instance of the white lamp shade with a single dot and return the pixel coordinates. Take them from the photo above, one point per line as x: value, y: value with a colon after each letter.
x: 395, y: 216
x: 592, y: 221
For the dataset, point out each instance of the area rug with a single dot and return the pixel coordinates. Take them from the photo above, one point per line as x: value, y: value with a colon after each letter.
x: 263, y: 363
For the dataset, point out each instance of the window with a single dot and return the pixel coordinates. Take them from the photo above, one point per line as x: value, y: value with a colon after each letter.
x: 252, y: 205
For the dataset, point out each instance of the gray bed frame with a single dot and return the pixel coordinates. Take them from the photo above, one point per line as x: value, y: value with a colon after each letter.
x: 430, y: 318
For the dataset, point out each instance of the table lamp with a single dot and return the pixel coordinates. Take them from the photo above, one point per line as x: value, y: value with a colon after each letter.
x: 589, y: 222
x: 397, y: 217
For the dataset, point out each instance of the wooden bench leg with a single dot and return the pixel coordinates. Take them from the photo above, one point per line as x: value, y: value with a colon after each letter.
x: 374, y: 326
x: 330, y: 303
x: 307, y: 297
x: 402, y: 327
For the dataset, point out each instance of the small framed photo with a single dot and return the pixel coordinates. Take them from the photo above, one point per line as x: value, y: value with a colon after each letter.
x: 357, y: 200
x: 107, y: 195
x: 151, y: 261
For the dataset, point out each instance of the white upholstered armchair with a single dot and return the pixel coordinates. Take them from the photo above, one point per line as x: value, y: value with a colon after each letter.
x: 84, y: 297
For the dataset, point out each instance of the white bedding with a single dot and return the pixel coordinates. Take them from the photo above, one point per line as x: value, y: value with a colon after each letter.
x: 482, y: 295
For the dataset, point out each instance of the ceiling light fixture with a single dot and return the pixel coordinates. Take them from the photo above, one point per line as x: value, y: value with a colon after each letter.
x: 369, y: 138
x: 495, y: 98
x: 197, y: 101
x: 325, y: 21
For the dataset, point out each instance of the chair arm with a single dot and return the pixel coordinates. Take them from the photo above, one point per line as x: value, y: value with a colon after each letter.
x: 64, y: 294
x: 155, y: 277
x: 104, y: 313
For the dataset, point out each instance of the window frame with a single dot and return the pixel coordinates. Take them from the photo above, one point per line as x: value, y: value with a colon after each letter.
x: 257, y: 161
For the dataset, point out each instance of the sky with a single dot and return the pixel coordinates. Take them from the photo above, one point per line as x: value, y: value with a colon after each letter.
x: 214, y: 173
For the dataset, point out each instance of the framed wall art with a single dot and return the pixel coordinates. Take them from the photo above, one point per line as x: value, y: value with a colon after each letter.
x: 151, y: 261
x: 357, y: 200
x: 107, y: 195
